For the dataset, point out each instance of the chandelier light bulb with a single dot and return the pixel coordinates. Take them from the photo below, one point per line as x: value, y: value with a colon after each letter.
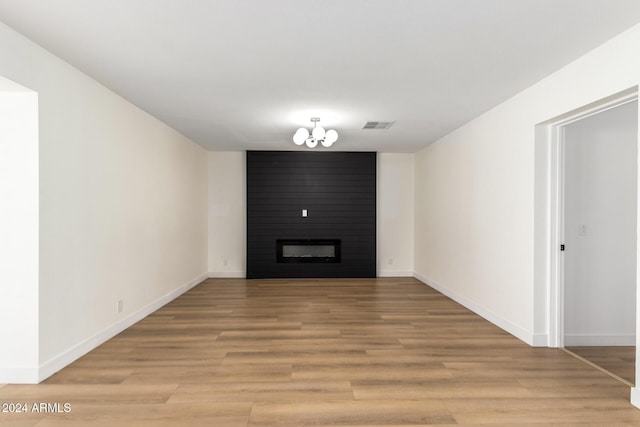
x: 317, y: 135
x: 304, y: 132
x: 326, y: 143
x: 300, y: 136
x: 330, y: 137
x: 318, y: 132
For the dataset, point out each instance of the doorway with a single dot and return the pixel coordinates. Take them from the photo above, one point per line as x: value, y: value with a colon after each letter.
x: 599, y: 236
x: 19, y: 231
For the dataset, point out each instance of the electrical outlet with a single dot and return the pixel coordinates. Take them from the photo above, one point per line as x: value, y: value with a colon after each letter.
x: 120, y: 306
x: 390, y: 261
x: 225, y: 262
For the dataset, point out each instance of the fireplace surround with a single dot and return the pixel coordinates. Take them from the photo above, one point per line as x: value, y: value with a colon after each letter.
x: 311, y: 214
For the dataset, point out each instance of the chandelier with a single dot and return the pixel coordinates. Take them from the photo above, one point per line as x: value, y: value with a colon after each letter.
x: 318, y: 134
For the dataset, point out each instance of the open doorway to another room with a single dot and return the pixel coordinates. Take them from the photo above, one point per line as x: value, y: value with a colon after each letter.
x: 599, y: 228
x: 19, y: 233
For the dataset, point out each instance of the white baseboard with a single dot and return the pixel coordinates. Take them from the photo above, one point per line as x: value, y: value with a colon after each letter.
x: 19, y: 375
x: 63, y: 359
x: 540, y: 340
x: 394, y: 273
x: 510, y: 327
x: 635, y: 397
x: 227, y: 275
x: 599, y: 340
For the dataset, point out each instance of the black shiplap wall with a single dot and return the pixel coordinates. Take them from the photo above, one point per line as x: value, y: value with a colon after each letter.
x: 339, y: 191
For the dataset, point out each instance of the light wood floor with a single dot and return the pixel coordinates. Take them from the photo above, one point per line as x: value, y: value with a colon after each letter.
x: 620, y: 361
x: 331, y: 352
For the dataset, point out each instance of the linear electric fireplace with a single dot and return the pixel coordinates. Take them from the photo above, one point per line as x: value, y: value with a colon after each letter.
x: 308, y: 250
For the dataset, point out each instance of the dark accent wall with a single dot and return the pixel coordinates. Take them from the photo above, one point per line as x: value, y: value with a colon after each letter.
x: 338, y: 189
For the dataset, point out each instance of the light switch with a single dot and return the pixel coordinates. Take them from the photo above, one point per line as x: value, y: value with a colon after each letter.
x: 582, y: 230
x: 304, y: 213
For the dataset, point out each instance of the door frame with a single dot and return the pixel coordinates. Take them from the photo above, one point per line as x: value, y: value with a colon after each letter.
x: 554, y: 136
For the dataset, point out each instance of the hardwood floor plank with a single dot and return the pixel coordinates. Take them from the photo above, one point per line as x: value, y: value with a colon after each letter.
x: 288, y: 391
x: 371, y: 372
x: 29, y: 419
x: 212, y: 375
x: 517, y: 370
x: 337, y: 344
x: 232, y: 414
x: 575, y: 387
x: 278, y: 334
x: 349, y: 413
x: 113, y: 394
x: 81, y: 375
x: 300, y: 356
x: 603, y: 411
x: 438, y: 389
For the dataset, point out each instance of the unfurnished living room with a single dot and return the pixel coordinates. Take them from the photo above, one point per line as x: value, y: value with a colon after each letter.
x: 319, y: 212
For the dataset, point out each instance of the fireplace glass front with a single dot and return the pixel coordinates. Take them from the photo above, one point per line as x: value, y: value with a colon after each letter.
x: 308, y: 250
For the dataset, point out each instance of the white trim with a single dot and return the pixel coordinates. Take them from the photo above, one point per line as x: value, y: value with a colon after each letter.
x: 597, y: 107
x: 227, y: 275
x: 555, y: 213
x: 63, y: 359
x: 556, y: 291
x: 635, y: 397
x: 19, y: 375
x: 539, y: 340
x: 395, y: 273
x: 599, y: 340
x: 510, y: 327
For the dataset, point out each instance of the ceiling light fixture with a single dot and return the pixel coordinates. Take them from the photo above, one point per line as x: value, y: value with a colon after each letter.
x: 318, y: 134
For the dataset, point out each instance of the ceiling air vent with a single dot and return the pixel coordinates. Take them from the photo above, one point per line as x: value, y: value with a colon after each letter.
x: 377, y: 125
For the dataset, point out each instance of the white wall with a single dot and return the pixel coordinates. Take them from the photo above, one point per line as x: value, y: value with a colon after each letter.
x: 395, y: 214
x: 227, y: 214
x: 18, y: 231
x: 123, y: 213
x: 476, y: 193
x: 600, y: 228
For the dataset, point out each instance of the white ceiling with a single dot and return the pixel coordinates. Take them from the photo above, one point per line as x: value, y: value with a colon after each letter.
x: 244, y: 74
